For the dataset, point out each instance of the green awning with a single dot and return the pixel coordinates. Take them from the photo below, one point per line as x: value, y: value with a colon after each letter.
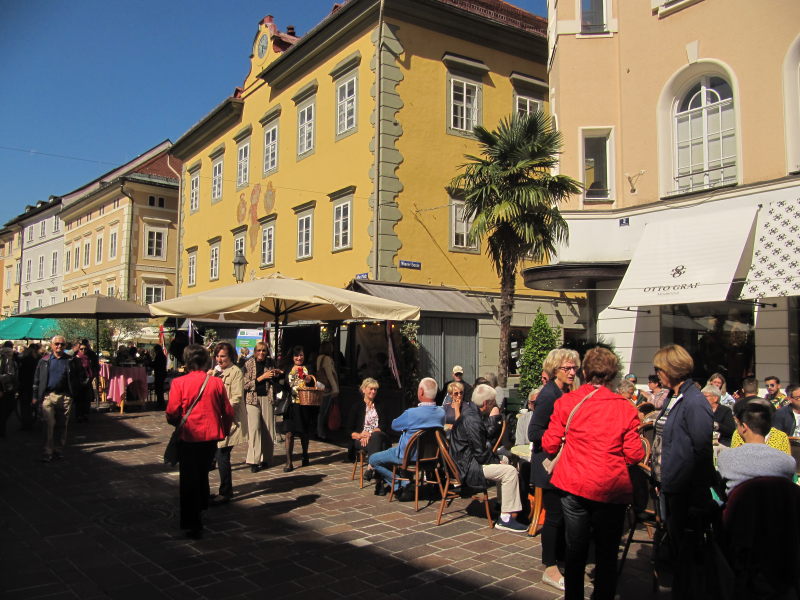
x: 27, y: 328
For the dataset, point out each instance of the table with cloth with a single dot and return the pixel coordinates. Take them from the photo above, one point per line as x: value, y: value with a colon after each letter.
x: 120, y: 379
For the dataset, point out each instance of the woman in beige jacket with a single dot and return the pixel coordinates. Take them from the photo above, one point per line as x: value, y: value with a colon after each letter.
x: 259, y: 396
x: 233, y: 379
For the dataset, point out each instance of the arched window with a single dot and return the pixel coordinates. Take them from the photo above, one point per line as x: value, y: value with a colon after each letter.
x: 704, y: 136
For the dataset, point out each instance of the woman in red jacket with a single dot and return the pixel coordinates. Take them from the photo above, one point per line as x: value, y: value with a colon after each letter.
x: 601, y: 442
x: 209, y: 422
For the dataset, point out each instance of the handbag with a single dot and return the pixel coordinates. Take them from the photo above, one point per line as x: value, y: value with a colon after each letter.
x: 550, y: 463
x: 282, y: 403
x: 171, y: 451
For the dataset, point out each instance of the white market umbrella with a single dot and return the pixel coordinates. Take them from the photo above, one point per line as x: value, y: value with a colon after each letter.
x: 283, y: 300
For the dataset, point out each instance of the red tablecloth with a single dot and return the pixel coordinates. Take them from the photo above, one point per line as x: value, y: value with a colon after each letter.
x: 121, y: 377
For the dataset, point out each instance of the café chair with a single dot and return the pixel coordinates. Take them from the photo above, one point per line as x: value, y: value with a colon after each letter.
x: 452, y: 480
x: 361, y: 457
x: 499, y: 441
x: 420, y: 461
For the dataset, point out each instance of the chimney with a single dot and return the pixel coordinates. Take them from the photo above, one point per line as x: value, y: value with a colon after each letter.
x: 290, y: 30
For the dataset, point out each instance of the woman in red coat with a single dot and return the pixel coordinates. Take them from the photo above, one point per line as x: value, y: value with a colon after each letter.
x: 593, y: 471
x: 209, y: 422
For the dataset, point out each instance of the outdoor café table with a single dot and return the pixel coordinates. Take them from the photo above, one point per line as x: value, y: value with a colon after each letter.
x: 523, y: 452
x: 120, y: 378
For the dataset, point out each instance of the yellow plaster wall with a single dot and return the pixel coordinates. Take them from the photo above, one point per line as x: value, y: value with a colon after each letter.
x: 625, y: 75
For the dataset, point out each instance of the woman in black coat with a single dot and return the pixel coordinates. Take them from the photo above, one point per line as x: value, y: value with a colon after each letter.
x: 367, y: 425
x: 560, y: 366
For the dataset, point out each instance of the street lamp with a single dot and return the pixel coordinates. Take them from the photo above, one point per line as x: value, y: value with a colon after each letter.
x: 239, y: 267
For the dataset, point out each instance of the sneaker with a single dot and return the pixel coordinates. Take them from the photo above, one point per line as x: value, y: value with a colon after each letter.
x: 511, y: 525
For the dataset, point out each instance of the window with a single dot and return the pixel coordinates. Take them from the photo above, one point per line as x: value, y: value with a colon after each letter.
x: 341, y: 225
x: 271, y: 148
x: 28, y: 270
x: 57, y: 225
x: 191, y: 271
x: 305, y: 129
x: 214, y: 263
x: 596, y: 171
x: 459, y: 227
x: 346, y: 106
x: 30, y: 233
x: 27, y: 305
x: 54, y: 264
x: 84, y: 293
x: 8, y: 277
x: 67, y: 256
x: 96, y: 291
x: 527, y: 105
x: 39, y: 302
x: 87, y: 253
x: 194, y: 193
x: 40, y: 270
x: 304, y: 236
x: 77, y: 262
x: 216, y: 180
x: 112, y: 245
x: 111, y: 290
x: 238, y: 245
x: 98, y: 251
x: 268, y: 245
x: 463, y: 105
x: 155, y: 201
x: 18, y: 272
x: 243, y: 164
x: 52, y: 300
x: 42, y: 229
x: 155, y: 243
x: 153, y: 293
x: 593, y: 16
x: 705, y: 137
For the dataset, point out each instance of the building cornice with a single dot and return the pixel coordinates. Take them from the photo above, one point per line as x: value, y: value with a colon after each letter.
x: 224, y: 116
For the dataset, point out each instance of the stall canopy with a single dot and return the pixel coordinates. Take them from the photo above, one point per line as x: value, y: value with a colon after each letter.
x: 775, y: 268
x: 26, y: 328
x: 430, y: 299
x: 687, y: 259
x: 283, y: 300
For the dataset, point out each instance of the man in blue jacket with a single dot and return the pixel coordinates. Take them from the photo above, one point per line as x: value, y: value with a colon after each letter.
x: 787, y: 419
x: 424, y: 416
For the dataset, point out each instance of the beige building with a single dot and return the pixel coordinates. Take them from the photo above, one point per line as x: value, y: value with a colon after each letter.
x: 120, y: 231
x: 682, y: 118
x: 10, y: 257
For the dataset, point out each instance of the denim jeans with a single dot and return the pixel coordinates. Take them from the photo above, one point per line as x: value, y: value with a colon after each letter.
x: 588, y: 521
x: 382, y: 462
x: 224, y: 467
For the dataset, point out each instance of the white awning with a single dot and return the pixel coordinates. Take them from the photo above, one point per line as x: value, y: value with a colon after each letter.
x: 775, y: 268
x: 684, y: 259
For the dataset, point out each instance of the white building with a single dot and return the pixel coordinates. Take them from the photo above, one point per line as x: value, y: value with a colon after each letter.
x: 42, y: 261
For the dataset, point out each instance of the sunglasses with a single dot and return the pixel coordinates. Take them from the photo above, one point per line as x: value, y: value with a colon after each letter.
x: 59, y: 344
x: 568, y: 369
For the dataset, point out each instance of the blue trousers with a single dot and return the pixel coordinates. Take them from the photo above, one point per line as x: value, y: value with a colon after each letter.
x: 382, y: 462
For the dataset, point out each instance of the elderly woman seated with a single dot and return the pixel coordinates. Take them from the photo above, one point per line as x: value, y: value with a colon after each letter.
x: 367, y: 424
x: 722, y: 415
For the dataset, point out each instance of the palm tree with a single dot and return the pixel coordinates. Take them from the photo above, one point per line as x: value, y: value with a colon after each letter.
x: 512, y: 197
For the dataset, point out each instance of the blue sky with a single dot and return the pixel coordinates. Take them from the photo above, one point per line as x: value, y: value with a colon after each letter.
x: 86, y: 85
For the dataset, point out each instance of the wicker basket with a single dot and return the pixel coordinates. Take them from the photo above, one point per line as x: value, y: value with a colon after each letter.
x: 309, y: 396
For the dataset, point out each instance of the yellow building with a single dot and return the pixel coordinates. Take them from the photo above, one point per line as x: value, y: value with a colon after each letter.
x: 10, y: 259
x: 332, y: 161
x: 120, y: 231
x: 683, y: 119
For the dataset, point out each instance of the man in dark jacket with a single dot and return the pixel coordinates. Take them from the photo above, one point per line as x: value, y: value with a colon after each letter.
x: 8, y: 384
x: 475, y: 460
x: 57, y: 381
x: 787, y: 419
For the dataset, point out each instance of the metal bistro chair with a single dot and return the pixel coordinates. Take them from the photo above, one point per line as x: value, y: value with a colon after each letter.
x: 420, y: 459
x: 452, y: 479
x: 650, y: 518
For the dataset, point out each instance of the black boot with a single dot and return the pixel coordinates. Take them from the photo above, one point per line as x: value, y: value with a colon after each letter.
x: 380, y: 487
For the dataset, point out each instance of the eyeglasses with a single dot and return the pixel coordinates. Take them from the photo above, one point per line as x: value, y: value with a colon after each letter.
x: 568, y: 369
x: 59, y: 344
x: 456, y: 393
x: 772, y: 385
x: 261, y: 350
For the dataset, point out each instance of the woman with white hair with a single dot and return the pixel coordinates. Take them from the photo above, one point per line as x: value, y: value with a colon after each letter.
x: 724, y: 425
x: 560, y: 366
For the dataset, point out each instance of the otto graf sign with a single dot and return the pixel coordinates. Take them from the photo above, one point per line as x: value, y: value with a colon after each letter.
x: 677, y: 272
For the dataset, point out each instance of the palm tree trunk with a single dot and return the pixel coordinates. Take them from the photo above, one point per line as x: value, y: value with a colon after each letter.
x: 507, y: 284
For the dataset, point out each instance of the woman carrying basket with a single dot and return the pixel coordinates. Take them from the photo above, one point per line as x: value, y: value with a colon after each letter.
x: 299, y: 419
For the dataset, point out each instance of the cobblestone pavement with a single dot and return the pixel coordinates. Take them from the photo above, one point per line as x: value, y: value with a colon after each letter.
x: 102, y: 523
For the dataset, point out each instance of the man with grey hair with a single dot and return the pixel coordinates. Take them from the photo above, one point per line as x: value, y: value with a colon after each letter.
x: 56, y: 382
x: 475, y: 461
x: 426, y: 415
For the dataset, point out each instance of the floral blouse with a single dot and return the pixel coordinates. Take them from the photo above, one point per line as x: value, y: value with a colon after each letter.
x: 370, y: 419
